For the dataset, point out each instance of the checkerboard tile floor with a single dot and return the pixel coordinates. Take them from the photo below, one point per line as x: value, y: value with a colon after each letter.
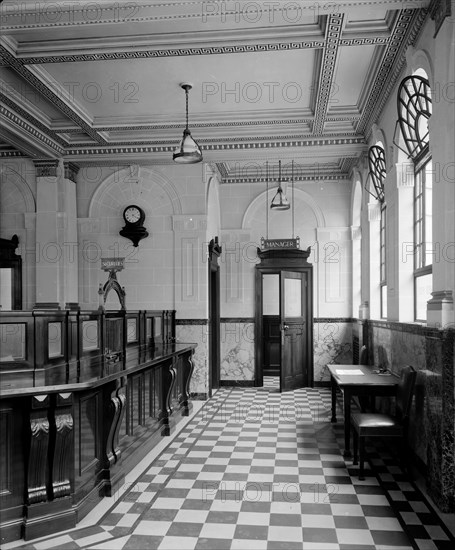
x: 259, y: 469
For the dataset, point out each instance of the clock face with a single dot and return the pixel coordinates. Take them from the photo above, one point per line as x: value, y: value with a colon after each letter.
x: 132, y: 214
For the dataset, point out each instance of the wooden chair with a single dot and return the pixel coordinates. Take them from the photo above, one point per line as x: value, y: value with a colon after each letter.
x: 363, y: 401
x: 382, y: 425
x: 363, y: 356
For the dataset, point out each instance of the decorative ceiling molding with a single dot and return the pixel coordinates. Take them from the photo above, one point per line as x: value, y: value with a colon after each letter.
x: 76, y: 14
x: 33, y: 81
x: 26, y: 116
x: 213, y: 50
x: 328, y: 62
x: 34, y: 134
x: 224, y: 133
x: 211, y: 146
x: 235, y: 173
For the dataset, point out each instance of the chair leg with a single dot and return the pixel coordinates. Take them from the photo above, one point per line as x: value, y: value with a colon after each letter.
x: 355, y: 444
x: 403, y: 458
x: 361, y: 457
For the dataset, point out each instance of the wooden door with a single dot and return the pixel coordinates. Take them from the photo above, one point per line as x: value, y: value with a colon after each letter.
x: 293, y: 285
x: 284, y: 294
x: 214, y: 315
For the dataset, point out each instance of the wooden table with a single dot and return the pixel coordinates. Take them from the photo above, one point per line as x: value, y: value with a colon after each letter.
x: 363, y: 382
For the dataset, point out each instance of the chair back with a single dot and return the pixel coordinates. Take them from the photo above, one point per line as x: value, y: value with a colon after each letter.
x: 363, y: 357
x: 405, y: 392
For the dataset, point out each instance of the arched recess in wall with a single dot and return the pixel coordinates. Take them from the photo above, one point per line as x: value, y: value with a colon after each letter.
x: 256, y: 209
x: 377, y: 165
x: 156, y: 195
x: 134, y: 183
x: 16, y: 197
x: 356, y: 202
x: 15, y: 194
x: 418, y: 63
x: 356, y: 216
x: 213, y: 208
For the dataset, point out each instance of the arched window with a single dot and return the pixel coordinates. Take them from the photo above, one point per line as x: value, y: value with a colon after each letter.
x: 377, y: 171
x: 414, y: 110
x: 377, y: 174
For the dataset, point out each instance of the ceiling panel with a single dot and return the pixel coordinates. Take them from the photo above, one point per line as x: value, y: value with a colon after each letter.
x: 99, y: 82
x: 350, y: 75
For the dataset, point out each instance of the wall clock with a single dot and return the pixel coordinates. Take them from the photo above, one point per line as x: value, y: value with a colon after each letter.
x: 134, y: 228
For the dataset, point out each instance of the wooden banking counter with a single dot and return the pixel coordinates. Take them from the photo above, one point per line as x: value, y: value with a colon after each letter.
x: 84, y: 396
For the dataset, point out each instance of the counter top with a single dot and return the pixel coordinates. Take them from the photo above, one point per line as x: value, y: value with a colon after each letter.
x: 18, y: 380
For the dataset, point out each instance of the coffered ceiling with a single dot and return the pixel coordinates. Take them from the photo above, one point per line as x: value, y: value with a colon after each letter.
x: 98, y: 82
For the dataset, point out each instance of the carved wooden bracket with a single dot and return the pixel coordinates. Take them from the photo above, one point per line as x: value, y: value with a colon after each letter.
x: 187, y: 371
x: 39, y: 443
x: 117, y: 409
x: 168, y: 374
x: 63, y: 448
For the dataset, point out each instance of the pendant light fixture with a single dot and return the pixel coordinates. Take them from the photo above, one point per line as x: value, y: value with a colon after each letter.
x: 189, y: 151
x: 280, y: 201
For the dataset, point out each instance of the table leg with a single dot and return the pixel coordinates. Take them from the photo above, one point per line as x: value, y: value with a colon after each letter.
x: 334, y: 400
x: 347, y: 423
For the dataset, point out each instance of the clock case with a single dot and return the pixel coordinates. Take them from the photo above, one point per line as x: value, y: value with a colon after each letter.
x: 134, y: 231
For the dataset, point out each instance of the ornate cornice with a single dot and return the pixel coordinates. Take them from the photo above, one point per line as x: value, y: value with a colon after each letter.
x: 46, y: 168
x: 71, y: 170
x: 405, y: 33
x: 439, y: 10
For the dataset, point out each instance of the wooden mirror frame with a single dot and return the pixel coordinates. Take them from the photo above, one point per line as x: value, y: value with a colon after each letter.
x: 9, y: 259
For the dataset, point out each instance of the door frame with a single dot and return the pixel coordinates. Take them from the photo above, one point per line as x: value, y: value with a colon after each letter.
x: 214, y: 339
x: 274, y: 261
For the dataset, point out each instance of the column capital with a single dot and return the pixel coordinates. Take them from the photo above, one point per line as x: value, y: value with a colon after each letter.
x: 374, y: 211
x: 405, y: 174
x: 440, y: 311
x: 356, y: 232
x: 46, y: 168
x: 71, y: 170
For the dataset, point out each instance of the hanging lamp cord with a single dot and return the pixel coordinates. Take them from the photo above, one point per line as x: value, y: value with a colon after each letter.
x: 186, y: 96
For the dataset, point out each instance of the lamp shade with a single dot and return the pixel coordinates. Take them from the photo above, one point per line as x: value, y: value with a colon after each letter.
x: 188, y: 151
x: 280, y: 201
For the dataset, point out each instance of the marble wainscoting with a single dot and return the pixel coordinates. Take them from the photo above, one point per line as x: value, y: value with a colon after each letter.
x: 195, y: 331
x: 432, y: 421
x: 332, y: 343
x: 237, y: 352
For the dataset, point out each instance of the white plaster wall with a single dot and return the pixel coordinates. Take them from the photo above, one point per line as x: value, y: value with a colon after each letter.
x: 152, y: 273
x: 244, y: 223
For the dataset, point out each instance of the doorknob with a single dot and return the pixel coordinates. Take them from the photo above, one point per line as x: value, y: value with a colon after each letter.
x: 285, y: 327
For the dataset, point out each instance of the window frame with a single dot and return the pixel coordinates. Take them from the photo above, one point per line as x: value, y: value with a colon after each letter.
x: 414, y: 102
x: 383, y: 259
x: 420, y: 218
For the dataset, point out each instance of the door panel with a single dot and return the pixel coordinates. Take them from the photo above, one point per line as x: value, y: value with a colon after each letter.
x: 272, y: 344
x: 293, y: 286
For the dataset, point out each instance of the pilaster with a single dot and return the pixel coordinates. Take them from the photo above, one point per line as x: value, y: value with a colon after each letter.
x: 56, y: 235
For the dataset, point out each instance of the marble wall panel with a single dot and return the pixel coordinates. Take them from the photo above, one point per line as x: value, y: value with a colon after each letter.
x: 432, y: 419
x: 237, y: 351
x: 332, y: 343
x: 196, y: 333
